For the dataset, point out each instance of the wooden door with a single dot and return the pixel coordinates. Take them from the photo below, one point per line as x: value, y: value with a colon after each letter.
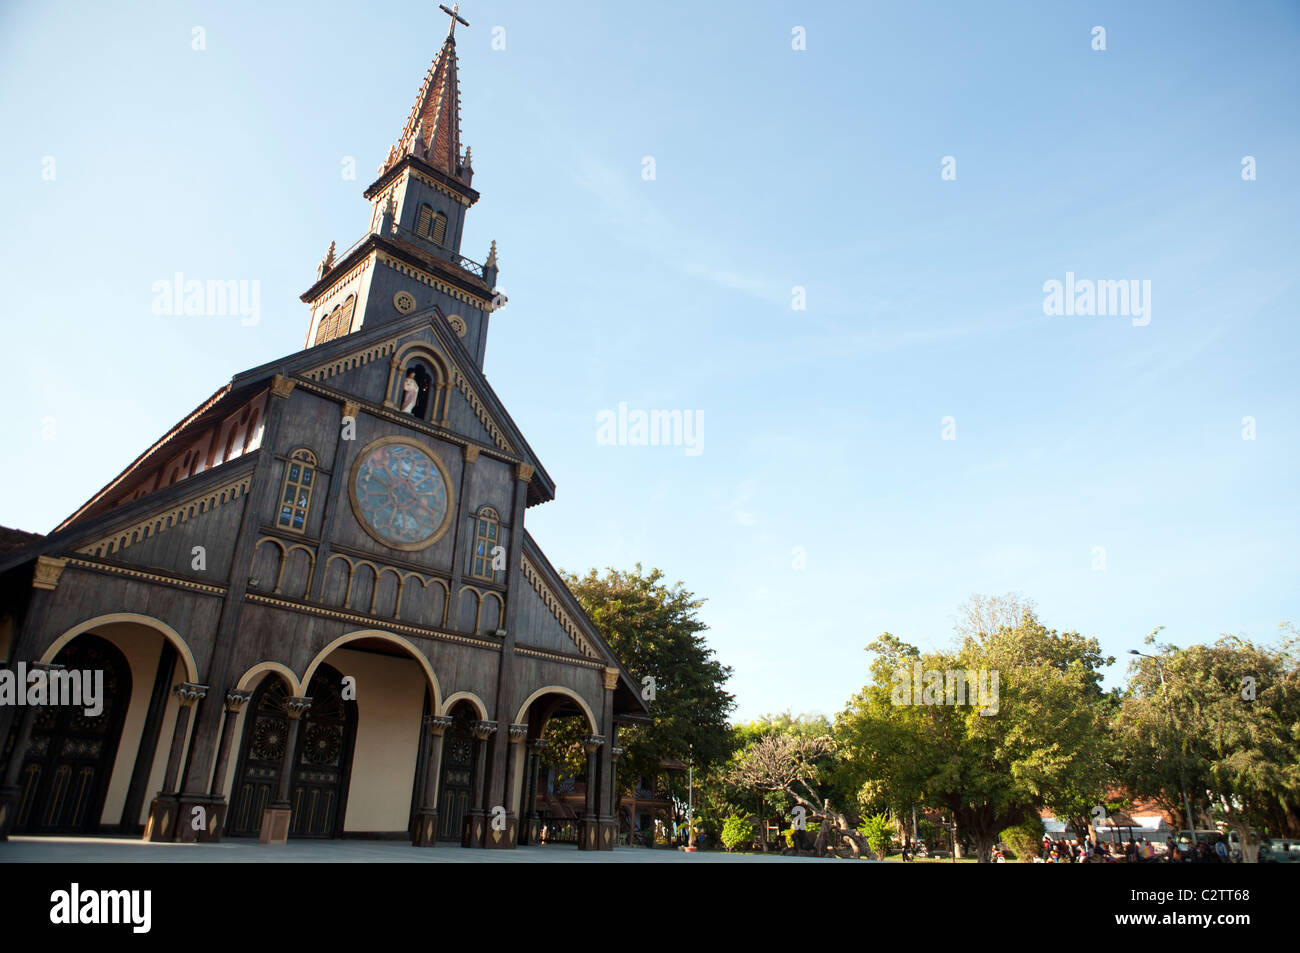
x: 69, y: 763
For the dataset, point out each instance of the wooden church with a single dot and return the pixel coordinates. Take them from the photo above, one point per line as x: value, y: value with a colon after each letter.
x: 314, y: 601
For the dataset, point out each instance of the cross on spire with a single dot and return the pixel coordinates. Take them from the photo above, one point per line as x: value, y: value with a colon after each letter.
x: 454, y: 13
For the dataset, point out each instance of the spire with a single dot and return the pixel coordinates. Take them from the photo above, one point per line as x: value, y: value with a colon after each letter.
x: 432, y: 131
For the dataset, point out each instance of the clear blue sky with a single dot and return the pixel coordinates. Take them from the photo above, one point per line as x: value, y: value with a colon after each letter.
x: 775, y: 168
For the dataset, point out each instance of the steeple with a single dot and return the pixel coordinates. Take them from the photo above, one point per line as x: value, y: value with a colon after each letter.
x: 410, y: 256
x: 432, y: 130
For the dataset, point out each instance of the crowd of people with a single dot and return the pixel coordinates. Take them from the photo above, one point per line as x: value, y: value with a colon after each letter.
x: 1140, y: 851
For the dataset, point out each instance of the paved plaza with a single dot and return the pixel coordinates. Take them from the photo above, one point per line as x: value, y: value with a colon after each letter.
x: 91, y: 850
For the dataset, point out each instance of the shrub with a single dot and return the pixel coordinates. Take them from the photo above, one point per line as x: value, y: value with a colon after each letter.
x: 879, y: 832
x: 1024, y: 838
x: 737, y: 831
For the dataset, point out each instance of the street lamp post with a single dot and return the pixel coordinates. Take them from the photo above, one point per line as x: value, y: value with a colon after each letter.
x: 690, y: 796
x: 1187, y: 804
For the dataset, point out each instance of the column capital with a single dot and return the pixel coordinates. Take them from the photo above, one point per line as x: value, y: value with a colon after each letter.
x: 615, y: 752
x: 524, y: 471
x: 296, y: 706
x: 611, y: 678
x: 483, y: 730
x: 538, y: 744
x: 518, y: 733
x: 47, y: 572
x: 471, y: 453
x: 190, y: 692
x: 351, y: 408
x: 592, y: 743
x: 437, y: 724
x: 237, y: 699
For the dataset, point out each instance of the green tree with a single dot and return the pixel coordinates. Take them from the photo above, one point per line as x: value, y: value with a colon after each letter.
x: 1041, y: 741
x: 1221, y: 723
x: 655, y: 631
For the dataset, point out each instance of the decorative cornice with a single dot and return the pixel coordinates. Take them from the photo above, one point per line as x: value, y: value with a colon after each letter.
x: 611, y: 679
x: 179, y: 583
x: 464, y: 200
x: 352, y: 360
x: 558, y: 657
x: 566, y: 621
x: 480, y: 410
x: 47, y: 572
x: 160, y: 522
x: 281, y: 386
x: 437, y: 284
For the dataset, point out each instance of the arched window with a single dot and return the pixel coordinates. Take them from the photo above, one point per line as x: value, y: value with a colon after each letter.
x: 487, y: 537
x: 253, y: 438
x: 299, y: 477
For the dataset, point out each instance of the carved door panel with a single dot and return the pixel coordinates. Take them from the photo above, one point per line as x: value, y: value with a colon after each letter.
x: 457, y: 778
x: 67, y: 767
x: 266, y: 730
x: 321, y: 765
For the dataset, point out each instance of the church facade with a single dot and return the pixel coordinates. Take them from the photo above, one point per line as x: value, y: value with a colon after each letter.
x: 314, y: 602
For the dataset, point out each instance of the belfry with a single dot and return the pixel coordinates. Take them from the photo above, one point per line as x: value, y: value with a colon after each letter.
x: 314, y: 601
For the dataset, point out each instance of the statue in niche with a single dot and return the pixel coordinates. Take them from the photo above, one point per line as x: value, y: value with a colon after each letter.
x: 410, y: 392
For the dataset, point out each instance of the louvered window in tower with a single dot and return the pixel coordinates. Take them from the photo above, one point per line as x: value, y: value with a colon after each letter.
x: 343, y: 325
x: 439, y: 228
x: 424, y: 224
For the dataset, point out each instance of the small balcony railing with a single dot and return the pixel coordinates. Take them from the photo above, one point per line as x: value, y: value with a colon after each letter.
x: 423, y: 241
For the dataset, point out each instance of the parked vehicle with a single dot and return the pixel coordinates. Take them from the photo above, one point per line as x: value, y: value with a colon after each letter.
x: 1279, y: 851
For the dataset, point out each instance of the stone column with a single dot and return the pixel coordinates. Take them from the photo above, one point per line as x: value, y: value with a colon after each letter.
x: 589, y: 825
x: 614, y: 754
x: 530, y: 830
x: 608, y: 826
x: 164, y: 812
x: 11, y: 791
x: 426, y: 818
x: 504, y: 832
x: 474, y: 817
x: 214, y: 805
x: 276, y: 818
